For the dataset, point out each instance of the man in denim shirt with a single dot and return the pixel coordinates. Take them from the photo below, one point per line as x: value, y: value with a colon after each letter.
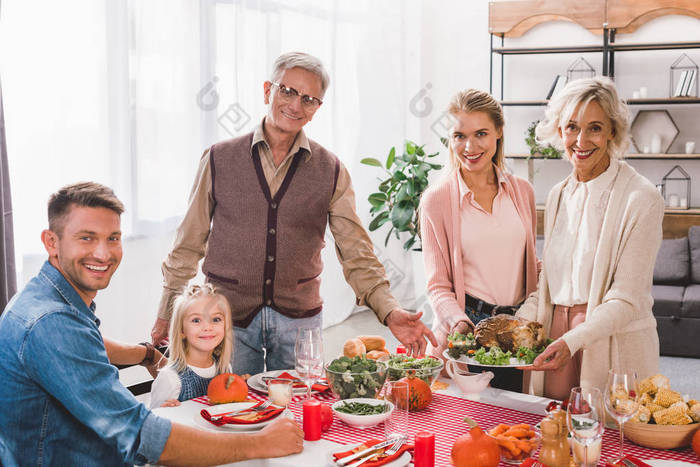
x: 61, y: 400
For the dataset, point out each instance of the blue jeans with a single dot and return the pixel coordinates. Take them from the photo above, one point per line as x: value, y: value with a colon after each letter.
x: 268, y: 342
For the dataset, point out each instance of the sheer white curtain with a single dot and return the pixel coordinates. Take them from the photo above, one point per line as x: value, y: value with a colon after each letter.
x: 129, y: 93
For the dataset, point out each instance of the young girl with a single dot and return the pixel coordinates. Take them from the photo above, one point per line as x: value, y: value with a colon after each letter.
x: 201, y: 342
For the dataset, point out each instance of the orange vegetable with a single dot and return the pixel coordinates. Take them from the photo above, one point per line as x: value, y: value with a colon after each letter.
x: 498, y: 429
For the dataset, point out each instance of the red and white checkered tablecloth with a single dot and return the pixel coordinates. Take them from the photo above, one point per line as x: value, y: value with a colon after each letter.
x: 444, y: 417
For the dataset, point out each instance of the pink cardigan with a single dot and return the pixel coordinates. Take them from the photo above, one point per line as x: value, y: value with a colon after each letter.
x: 441, y: 237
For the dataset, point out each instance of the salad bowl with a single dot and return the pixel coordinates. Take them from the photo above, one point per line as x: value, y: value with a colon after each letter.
x: 360, y: 420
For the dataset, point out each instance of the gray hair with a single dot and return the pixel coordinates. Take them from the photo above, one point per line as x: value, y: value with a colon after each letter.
x: 583, y: 91
x: 300, y: 60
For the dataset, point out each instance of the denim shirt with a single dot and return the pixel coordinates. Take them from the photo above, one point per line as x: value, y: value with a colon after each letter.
x: 61, y: 402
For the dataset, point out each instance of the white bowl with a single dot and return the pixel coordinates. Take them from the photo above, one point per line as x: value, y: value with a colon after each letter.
x: 362, y: 421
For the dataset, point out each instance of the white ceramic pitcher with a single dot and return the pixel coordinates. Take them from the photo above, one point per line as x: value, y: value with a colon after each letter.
x: 469, y: 383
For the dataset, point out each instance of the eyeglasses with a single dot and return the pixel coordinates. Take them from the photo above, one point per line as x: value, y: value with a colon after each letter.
x: 288, y: 94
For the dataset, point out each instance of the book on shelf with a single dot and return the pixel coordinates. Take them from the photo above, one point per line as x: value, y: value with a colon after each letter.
x: 680, y: 86
x: 689, y: 82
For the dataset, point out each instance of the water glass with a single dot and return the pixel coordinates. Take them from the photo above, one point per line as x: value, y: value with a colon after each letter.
x: 308, y: 356
x: 280, y: 391
x: 621, y: 400
x: 585, y: 419
x: 396, y: 425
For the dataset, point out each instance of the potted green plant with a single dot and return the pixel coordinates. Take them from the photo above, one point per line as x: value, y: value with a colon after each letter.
x: 399, y: 193
x: 547, y: 152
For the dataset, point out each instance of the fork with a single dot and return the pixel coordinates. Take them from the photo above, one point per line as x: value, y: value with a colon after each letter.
x: 389, y: 452
x: 258, y: 408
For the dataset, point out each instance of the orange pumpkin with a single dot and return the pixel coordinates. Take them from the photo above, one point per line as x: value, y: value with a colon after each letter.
x: 227, y: 387
x: 475, y: 449
x: 696, y: 442
x: 419, y: 393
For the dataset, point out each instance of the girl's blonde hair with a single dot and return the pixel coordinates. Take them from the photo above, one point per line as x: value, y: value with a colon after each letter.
x: 584, y: 91
x: 178, y: 343
x: 473, y: 100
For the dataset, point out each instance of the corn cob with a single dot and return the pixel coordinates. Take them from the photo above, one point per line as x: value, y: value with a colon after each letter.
x: 675, y: 415
x: 661, y: 381
x: 666, y: 397
x: 647, y: 386
x: 643, y: 415
x: 694, y: 412
x: 653, y: 408
x: 646, y: 399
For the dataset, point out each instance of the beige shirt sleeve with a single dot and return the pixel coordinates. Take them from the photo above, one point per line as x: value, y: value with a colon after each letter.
x: 361, y: 268
x: 190, y: 241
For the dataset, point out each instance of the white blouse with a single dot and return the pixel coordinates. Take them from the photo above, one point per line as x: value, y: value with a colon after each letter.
x: 571, y: 249
x: 167, y: 384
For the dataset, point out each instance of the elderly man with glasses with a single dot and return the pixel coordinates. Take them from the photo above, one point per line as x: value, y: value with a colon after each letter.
x: 258, y: 213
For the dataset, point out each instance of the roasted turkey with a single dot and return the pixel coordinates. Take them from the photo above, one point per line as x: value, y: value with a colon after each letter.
x: 509, y: 332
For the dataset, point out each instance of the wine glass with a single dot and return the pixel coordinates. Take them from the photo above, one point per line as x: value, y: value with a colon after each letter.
x: 308, y: 356
x: 586, y: 422
x: 621, y: 399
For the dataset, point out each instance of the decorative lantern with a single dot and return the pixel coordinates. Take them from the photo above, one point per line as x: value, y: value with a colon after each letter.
x: 674, y: 199
x: 579, y: 69
x: 683, y: 78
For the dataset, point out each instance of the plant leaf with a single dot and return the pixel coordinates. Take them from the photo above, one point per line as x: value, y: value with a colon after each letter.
x: 409, y: 243
x: 401, y: 215
x: 433, y: 154
x: 379, y: 221
x: 398, y: 176
x: 371, y: 161
x: 386, y: 240
x: 435, y: 166
x: 377, y: 199
x: 410, y: 147
x: 391, y: 158
x: 444, y: 142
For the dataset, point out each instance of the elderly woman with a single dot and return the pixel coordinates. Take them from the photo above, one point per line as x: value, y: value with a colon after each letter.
x: 602, y: 234
x: 478, y: 229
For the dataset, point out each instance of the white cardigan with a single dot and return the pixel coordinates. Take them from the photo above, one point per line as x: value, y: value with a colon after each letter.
x: 620, y: 330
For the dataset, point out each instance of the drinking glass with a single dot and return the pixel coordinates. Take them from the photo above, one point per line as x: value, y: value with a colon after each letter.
x: 621, y: 400
x: 308, y: 356
x: 585, y: 419
x: 396, y: 425
x: 280, y: 391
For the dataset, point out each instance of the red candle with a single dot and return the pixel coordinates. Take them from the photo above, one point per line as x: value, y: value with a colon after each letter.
x: 424, y: 453
x: 400, y: 349
x: 312, y: 419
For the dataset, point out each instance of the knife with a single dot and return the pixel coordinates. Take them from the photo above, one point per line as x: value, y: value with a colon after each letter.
x: 346, y: 460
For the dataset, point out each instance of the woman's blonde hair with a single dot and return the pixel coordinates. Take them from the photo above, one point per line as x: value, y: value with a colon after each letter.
x: 473, y: 100
x: 178, y: 342
x: 584, y: 91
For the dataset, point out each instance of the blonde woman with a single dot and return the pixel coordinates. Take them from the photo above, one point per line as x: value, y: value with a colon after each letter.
x: 200, y: 347
x: 602, y: 234
x: 478, y: 228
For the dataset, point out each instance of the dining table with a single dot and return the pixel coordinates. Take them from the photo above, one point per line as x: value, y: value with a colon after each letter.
x: 443, y: 417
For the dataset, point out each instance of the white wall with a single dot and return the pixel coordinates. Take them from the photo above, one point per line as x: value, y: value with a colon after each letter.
x: 455, y: 55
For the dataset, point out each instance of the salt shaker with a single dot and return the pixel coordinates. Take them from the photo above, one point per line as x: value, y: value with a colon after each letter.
x: 555, y: 447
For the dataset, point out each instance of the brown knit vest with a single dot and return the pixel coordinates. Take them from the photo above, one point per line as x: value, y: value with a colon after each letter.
x: 265, y: 250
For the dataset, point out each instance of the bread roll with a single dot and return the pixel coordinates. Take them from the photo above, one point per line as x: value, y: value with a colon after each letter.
x: 373, y: 342
x: 353, y: 348
x: 377, y: 354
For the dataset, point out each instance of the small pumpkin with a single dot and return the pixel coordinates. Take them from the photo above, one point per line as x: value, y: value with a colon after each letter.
x: 326, y: 417
x: 696, y: 442
x: 475, y: 449
x: 227, y: 387
x: 419, y: 393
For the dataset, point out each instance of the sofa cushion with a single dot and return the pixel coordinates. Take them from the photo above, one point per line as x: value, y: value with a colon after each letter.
x: 694, y: 244
x: 691, y: 302
x: 667, y: 299
x: 677, y: 336
x: 673, y: 262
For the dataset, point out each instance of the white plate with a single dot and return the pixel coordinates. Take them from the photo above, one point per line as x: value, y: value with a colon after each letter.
x: 665, y: 463
x: 514, y: 362
x: 256, y: 381
x: 402, y: 461
x: 221, y: 408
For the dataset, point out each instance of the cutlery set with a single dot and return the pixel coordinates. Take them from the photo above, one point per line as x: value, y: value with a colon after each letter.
x: 395, y: 444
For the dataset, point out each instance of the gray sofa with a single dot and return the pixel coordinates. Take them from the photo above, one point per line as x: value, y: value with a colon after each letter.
x: 676, y: 292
